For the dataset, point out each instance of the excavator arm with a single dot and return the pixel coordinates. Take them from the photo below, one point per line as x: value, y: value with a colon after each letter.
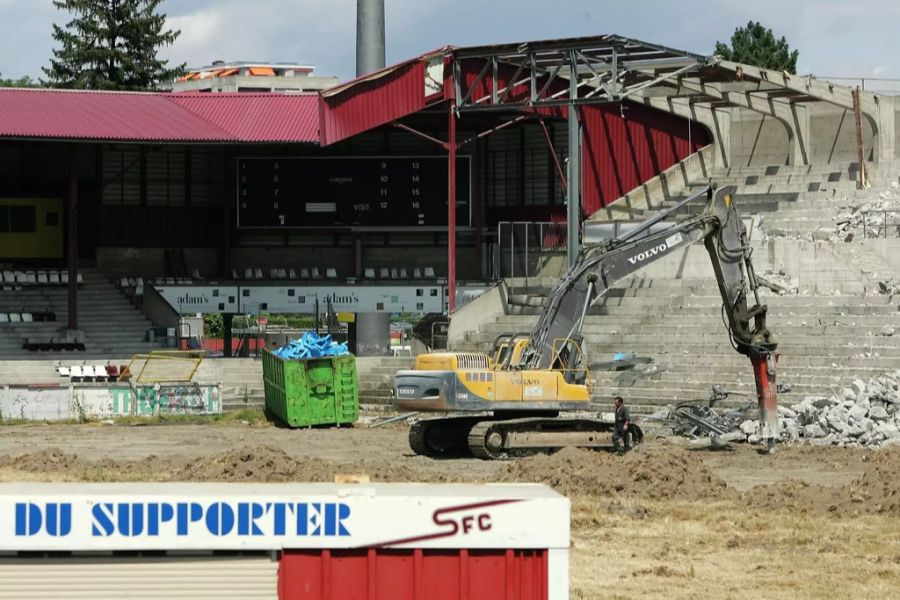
x: 556, y: 340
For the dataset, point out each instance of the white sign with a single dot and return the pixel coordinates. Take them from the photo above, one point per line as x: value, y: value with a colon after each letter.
x: 302, y: 299
x: 184, y: 516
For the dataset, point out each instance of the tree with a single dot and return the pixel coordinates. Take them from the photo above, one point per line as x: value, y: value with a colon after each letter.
x: 21, y: 82
x: 111, y: 45
x: 756, y: 45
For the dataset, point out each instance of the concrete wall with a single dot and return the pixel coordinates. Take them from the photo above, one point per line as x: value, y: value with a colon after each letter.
x: 483, y: 309
x: 103, y: 401
x: 758, y: 140
x: 833, y: 135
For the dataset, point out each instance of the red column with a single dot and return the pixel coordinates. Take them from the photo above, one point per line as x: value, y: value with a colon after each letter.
x: 72, y: 235
x: 451, y: 208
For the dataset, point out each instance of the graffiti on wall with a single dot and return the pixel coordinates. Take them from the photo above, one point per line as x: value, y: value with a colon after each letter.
x: 177, y: 399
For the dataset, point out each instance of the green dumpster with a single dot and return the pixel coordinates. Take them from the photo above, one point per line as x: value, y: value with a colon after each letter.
x: 313, y: 391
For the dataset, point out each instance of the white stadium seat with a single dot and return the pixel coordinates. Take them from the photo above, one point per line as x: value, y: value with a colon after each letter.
x: 234, y: 274
x: 54, y: 277
x: 4, y: 318
x: 369, y: 273
x: 257, y: 273
x: 9, y: 277
x: 383, y: 273
x: 248, y: 273
x: 15, y: 318
x: 292, y: 274
x: 27, y: 318
x: 429, y: 272
x: 403, y: 273
x: 304, y: 273
x: 63, y: 371
x: 315, y: 273
x: 42, y: 277
x: 417, y: 273
x: 331, y: 273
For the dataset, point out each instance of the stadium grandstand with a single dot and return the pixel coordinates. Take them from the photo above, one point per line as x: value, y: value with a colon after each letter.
x: 404, y: 191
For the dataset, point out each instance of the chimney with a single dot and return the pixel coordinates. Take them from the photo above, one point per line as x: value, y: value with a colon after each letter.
x: 369, y: 36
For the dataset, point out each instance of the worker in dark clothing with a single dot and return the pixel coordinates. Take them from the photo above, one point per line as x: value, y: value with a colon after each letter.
x: 621, y: 435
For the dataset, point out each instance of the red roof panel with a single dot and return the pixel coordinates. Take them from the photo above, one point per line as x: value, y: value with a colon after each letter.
x: 137, y: 116
x: 257, y: 117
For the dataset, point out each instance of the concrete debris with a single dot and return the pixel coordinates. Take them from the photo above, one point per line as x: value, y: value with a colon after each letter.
x: 868, y: 219
x: 779, y: 282
x: 866, y: 413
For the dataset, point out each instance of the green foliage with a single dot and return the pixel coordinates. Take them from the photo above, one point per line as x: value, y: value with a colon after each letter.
x: 213, y: 326
x: 111, y: 45
x: 756, y: 45
x: 21, y: 82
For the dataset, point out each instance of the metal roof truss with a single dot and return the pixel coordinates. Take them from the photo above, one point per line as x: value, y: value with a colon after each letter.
x: 604, y: 69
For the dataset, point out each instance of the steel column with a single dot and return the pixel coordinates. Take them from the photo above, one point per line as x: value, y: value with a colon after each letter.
x: 573, y: 208
x: 72, y: 227
x: 451, y: 206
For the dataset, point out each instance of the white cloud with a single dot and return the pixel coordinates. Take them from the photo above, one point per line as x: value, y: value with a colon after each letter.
x: 834, y: 37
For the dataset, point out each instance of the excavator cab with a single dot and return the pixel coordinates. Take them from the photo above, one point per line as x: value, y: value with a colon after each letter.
x: 569, y: 359
x: 508, y: 349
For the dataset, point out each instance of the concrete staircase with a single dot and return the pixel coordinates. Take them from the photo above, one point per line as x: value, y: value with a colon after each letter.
x: 111, y: 326
x: 825, y: 341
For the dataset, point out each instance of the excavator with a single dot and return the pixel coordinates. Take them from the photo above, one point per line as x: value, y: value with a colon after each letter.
x: 509, y: 403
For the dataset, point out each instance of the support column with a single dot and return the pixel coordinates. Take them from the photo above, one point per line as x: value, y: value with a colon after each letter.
x: 227, y: 324
x: 573, y: 208
x: 72, y: 235
x: 451, y: 207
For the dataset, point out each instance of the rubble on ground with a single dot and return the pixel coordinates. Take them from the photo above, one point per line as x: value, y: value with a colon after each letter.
x: 863, y: 414
x: 865, y: 220
x: 779, y: 282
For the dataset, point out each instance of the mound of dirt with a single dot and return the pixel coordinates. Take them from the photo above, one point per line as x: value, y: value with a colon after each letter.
x: 266, y: 463
x: 650, y: 472
x: 51, y: 459
x: 876, y: 491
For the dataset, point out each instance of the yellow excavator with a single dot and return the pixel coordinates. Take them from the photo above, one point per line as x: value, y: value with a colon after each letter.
x: 508, y: 403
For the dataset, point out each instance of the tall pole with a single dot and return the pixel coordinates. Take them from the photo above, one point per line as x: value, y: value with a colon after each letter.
x: 369, y: 36
x: 451, y: 207
x: 72, y: 231
x: 573, y: 209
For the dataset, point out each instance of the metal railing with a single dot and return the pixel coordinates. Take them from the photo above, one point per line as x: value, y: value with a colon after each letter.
x: 880, y: 224
x: 524, y: 248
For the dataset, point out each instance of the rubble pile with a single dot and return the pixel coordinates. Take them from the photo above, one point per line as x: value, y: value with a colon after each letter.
x: 864, y: 414
x: 871, y: 216
x: 779, y: 282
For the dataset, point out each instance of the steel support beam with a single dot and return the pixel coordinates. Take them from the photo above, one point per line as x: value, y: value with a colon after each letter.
x: 573, y: 207
x: 72, y: 235
x: 451, y: 206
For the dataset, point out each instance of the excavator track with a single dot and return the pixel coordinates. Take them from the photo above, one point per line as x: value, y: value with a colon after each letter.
x: 494, y: 438
x: 441, y: 437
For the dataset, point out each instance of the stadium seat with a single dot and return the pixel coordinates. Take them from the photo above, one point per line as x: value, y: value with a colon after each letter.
x: 63, y: 371
x: 369, y: 273
x: 273, y: 273
x: 75, y: 373
x: 112, y: 373
x: 248, y: 273
x: 42, y: 277
x: 292, y: 274
x: 27, y: 318
x: 257, y: 273
x: 123, y: 282
x: 331, y: 273
x: 64, y: 276
x: 304, y: 273
x: 139, y: 290
x: 429, y: 272
x: 417, y: 273
x: 234, y: 274
x: 79, y: 278
x: 196, y: 274
x: 20, y: 276
x: 9, y: 277
x: 132, y: 282
x: 404, y: 274
x: 53, y: 276
x: 4, y: 318
x: 15, y: 318
x: 315, y: 273
x: 282, y: 273
x: 384, y: 273
x: 395, y: 274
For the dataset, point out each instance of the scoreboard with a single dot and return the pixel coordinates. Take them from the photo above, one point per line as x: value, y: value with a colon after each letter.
x: 385, y: 191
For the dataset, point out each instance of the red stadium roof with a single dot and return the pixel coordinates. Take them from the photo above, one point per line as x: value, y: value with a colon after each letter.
x: 139, y: 116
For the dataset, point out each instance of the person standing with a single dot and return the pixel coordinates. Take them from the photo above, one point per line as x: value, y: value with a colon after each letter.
x: 621, y: 433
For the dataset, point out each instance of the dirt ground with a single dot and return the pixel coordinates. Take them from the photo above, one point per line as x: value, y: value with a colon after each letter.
x: 665, y: 521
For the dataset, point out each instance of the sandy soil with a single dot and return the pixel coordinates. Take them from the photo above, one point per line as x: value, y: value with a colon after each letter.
x: 665, y: 521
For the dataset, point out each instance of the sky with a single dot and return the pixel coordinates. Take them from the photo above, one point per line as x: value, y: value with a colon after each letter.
x: 835, y: 37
